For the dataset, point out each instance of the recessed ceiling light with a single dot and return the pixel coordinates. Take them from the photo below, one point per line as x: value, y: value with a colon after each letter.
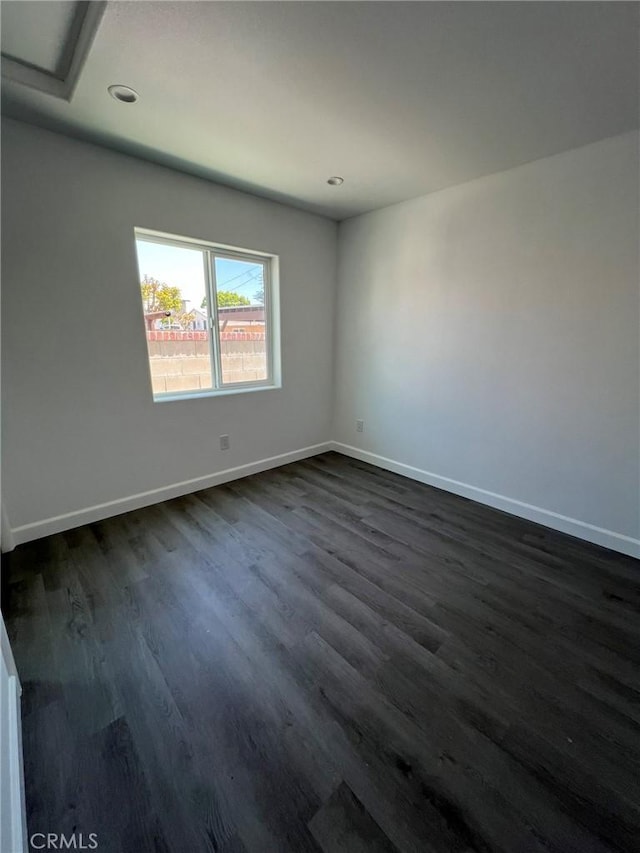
x: 335, y: 181
x: 124, y: 94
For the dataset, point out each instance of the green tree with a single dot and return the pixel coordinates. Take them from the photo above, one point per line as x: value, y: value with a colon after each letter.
x: 183, y: 318
x: 159, y: 296
x: 227, y: 298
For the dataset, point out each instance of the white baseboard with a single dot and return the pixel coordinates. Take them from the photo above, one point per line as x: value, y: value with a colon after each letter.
x: 572, y: 526
x: 58, y: 523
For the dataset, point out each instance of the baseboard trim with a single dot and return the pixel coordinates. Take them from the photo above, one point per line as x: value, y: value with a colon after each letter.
x: 58, y: 523
x: 598, y: 535
x: 547, y: 518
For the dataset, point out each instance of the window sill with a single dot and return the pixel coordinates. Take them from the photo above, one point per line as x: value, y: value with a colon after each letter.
x: 214, y: 392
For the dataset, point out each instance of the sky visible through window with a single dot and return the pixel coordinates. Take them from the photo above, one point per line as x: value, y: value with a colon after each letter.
x: 184, y: 268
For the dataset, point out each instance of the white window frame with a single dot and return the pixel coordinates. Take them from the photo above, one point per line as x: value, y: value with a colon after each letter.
x: 210, y: 252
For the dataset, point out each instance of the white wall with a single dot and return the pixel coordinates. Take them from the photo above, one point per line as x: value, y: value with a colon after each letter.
x: 489, y: 334
x: 80, y: 425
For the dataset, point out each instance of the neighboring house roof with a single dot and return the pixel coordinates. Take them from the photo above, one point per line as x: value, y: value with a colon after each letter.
x: 242, y: 312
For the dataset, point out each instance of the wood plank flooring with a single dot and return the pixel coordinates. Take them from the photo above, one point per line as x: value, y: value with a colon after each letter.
x: 328, y: 657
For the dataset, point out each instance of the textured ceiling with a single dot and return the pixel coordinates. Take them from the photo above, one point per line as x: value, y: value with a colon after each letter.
x: 399, y: 98
x: 41, y: 45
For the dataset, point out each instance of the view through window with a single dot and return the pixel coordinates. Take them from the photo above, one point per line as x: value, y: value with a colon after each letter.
x: 206, y: 315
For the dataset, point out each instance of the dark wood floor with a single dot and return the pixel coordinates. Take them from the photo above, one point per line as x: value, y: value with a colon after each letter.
x: 328, y: 657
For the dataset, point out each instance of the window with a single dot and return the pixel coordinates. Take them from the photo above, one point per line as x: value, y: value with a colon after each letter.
x: 209, y: 316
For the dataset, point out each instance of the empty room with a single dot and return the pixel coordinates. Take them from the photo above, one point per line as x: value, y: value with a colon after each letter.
x: 320, y: 404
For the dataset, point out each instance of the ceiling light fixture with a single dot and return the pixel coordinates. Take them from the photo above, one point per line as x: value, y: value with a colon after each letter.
x: 124, y: 94
x: 335, y: 181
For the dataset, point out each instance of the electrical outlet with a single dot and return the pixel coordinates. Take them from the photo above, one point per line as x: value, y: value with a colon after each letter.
x: 359, y: 426
x: 225, y: 444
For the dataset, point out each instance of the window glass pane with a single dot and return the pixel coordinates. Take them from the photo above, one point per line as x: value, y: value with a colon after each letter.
x: 241, y: 320
x: 174, y: 300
